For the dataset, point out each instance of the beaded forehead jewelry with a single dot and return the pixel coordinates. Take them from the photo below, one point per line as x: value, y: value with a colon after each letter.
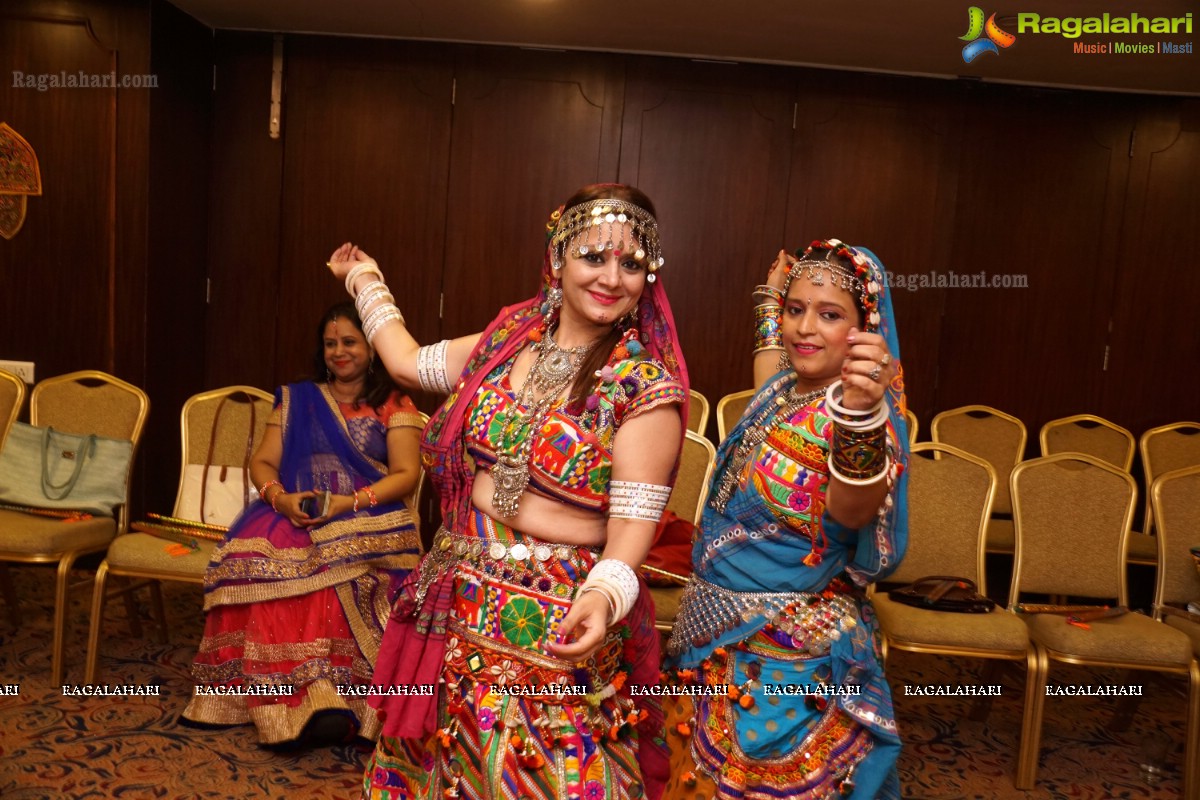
x: 599, y: 225
x: 864, y: 282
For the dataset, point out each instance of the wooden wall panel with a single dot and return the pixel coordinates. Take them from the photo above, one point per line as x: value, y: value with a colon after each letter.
x: 367, y: 132
x: 530, y: 128
x: 59, y: 313
x: 1041, y: 191
x: 709, y: 144
x: 180, y: 122
x: 1154, y: 348
x: 244, y: 199
x: 875, y: 164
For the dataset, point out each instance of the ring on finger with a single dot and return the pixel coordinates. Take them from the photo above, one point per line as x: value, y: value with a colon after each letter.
x: 874, y: 374
x: 887, y: 359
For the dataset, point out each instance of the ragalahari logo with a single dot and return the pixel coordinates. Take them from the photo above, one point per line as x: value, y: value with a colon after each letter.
x: 994, y: 37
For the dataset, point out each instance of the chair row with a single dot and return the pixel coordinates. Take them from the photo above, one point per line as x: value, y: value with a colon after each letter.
x: 1073, y: 514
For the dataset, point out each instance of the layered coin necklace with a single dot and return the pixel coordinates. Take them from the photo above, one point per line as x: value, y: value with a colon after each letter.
x: 554, y: 370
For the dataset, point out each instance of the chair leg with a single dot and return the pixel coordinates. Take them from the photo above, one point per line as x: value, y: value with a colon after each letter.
x: 1127, y: 707
x: 10, y: 596
x: 93, y: 644
x: 60, y: 616
x: 1191, y: 750
x: 160, y: 614
x: 1036, y: 667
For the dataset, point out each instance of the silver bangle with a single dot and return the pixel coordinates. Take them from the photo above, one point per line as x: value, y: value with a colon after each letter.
x: 641, y: 501
x: 854, y: 420
x: 359, y: 269
x: 379, y: 318
x: 619, y: 579
x: 431, y: 368
x: 876, y: 478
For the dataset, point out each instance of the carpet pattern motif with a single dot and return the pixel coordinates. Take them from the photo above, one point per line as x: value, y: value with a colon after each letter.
x: 61, y: 746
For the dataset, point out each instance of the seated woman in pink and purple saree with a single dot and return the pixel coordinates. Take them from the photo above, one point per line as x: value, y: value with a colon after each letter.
x: 297, y: 596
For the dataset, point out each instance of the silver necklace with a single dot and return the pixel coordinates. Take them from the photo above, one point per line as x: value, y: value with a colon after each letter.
x: 554, y: 370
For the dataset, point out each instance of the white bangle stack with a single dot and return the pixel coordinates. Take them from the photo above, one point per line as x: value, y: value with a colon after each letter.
x: 642, y: 501
x: 617, y: 581
x: 431, y: 368
x: 375, y: 304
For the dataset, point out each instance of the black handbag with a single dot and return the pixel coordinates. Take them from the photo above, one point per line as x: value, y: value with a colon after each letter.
x: 943, y: 593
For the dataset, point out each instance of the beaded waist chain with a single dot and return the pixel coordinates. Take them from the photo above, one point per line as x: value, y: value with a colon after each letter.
x: 811, y: 620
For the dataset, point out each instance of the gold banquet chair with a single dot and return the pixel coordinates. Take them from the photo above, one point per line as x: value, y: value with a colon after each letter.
x: 729, y: 410
x: 82, y: 402
x: 1165, y: 449
x: 1112, y: 444
x: 697, y: 412
x: 142, y: 556
x: 687, y: 502
x: 950, y: 494
x: 1073, y: 514
x: 999, y: 439
x: 1091, y: 435
x: 12, y: 398
x: 1175, y: 496
x: 914, y: 425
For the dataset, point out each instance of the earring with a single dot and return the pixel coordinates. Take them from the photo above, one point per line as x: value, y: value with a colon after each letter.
x: 328, y: 376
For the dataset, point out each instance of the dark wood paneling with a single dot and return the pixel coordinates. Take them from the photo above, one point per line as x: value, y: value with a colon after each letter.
x: 1041, y: 191
x: 367, y: 131
x: 709, y: 144
x: 180, y: 122
x: 875, y: 164
x: 60, y: 314
x: 1154, y: 348
x: 530, y: 127
x: 243, y: 240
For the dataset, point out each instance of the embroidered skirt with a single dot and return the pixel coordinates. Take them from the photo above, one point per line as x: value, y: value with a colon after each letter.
x: 513, y: 720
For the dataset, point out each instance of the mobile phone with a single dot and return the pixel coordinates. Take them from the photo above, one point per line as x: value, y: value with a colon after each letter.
x: 316, y: 507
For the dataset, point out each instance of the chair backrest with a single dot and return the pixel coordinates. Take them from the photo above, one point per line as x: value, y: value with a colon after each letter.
x: 913, y: 425
x: 729, y: 411
x: 1073, y: 513
x: 950, y: 494
x: 1176, y: 499
x: 232, y: 436
x: 695, y: 473
x: 1091, y: 435
x: 989, y: 433
x: 697, y: 412
x: 90, y: 401
x: 12, y: 397
x: 1166, y: 449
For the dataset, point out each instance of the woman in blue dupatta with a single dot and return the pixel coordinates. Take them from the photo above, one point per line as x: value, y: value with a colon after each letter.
x: 806, y: 508
x: 297, y: 597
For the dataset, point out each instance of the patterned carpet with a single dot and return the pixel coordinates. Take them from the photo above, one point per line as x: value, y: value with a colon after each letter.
x: 55, y: 746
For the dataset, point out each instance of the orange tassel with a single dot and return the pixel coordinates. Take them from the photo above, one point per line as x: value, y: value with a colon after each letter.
x: 683, y: 729
x: 812, y: 559
x: 746, y: 701
x: 732, y: 692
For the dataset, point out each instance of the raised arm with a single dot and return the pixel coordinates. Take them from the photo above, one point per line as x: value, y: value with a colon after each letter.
x: 384, y: 327
x: 766, y: 353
